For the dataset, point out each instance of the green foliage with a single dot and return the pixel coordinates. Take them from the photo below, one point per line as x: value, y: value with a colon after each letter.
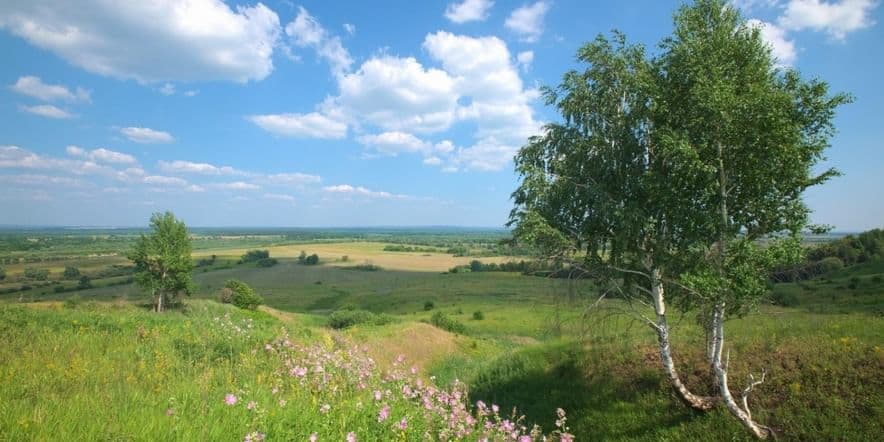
x: 162, y: 260
x: 72, y: 302
x: 364, y: 267
x: 71, y: 272
x: 348, y: 318
x: 266, y: 262
x: 36, y: 274
x: 478, y: 315
x: 241, y: 295
x: 2, y: 273
x: 255, y: 255
x: 429, y: 305
x: 445, y: 322
x: 84, y: 283
x: 308, y: 260
x: 852, y: 249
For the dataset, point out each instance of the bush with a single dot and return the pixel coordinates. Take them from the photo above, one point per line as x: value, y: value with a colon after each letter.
x: 2, y: 273
x: 36, y: 274
x: 71, y: 272
x: 267, y: 262
x: 348, y: 318
x: 225, y: 296
x: 255, y: 255
x: 85, y: 283
x: 345, y: 258
x: 243, y: 296
x: 830, y: 264
x: 445, y: 322
x: 854, y: 283
x: 429, y: 306
x: 478, y: 315
x: 363, y: 267
x: 58, y: 289
x: 877, y: 279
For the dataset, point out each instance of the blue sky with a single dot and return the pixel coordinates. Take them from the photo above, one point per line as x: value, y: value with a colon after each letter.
x: 313, y: 113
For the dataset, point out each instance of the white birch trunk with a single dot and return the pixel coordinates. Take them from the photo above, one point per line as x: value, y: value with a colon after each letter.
x: 703, y: 403
x: 741, y: 413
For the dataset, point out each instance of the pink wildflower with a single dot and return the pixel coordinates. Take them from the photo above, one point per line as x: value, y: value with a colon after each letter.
x: 314, y: 437
x: 377, y: 395
x: 566, y: 437
x: 403, y: 424
x: 525, y: 439
x: 230, y: 399
x: 169, y: 412
x: 351, y: 437
x: 384, y: 414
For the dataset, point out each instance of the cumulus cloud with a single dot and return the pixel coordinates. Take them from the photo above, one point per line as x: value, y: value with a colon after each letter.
x: 161, y: 180
x: 527, y: 21
x: 236, y: 185
x: 101, y: 155
x: 525, y: 59
x: 782, y: 48
x: 146, y: 135
x: 48, y: 111
x: 179, y: 166
x: 306, y: 31
x: 151, y: 41
x: 296, y: 178
x: 346, y: 189
x: 393, y: 143
x: 350, y: 28
x: 312, y: 125
x: 468, y: 10
x: 835, y: 18
x: 34, y: 87
x: 42, y: 180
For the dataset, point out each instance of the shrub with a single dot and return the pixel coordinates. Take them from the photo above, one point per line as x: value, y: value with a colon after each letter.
x: 348, y: 318
x: 243, y: 296
x: 36, y: 274
x: 445, y: 322
x: 345, y: 258
x: 364, y: 267
x: 854, y: 283
x: 2, y: 273
x: 312, y: 260
x: 255, y: 255
x: 830, y: 264
x: 58, y: 289
x: 85, y: 283
x: 478, y: 315
x: 267, y: 262
x: 877, y: 279
x: 71, y: 272
x: 429, y: 306
x: 225, y: 295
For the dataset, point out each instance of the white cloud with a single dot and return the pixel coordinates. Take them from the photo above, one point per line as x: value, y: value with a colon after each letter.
x: 296, y: 178
x: 835, y: 18
x: 151, y: 41
x: 179, y: 166
x: 160, y: 180
x: 468, y: 10
x: 236, y: 185
x: 486, y: 155
x: 34, y: 87
x: 42, y: 180
x: 527, y: 21
x: 312, y: 125
x: 393, y: 143
x: 146, y: 136
x: 432, y: 161
x: 191, y: 93
x: 279, y: 197
x: 101, y: 155
x: 167, y: 89
x: 350, y: 28
x: 397, y: 94
x: 48, y: 111
x: 346, y: 189
x: 306, y: 31
x: 525, y: 58
x: 782, y: 48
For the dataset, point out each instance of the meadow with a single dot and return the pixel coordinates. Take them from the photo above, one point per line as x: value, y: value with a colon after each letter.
x: 96, y: 364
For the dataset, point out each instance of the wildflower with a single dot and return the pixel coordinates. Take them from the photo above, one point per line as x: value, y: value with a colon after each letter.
x: 169, y: 412
x: 567, y: 437
x: 377, y: 395
x: 495, y: 408
x: 230, y: 399
x: 384, y: 414
x: 403, y: 424
x: 282, y: 402
x: 525, y: 439
x: 254, y: 437
x: 251, y: 405
x: 324, y: 408
x: 313, y: 437
x: 351, y: 437
x: 274, y: 390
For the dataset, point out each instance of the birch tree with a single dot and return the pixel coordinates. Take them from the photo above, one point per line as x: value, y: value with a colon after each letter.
x: 677, y: 179
x: 163, y: 265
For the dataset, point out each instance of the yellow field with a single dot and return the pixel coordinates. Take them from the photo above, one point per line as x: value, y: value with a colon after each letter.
x: 365, y: 252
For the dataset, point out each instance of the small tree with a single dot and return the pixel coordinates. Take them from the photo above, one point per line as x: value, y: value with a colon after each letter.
x: 84, y: 283
x: 241, y: 295
x: 71, y: 272
x: 163, y: 265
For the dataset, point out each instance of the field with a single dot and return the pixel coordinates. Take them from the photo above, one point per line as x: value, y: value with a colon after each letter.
x: 97, y: 364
